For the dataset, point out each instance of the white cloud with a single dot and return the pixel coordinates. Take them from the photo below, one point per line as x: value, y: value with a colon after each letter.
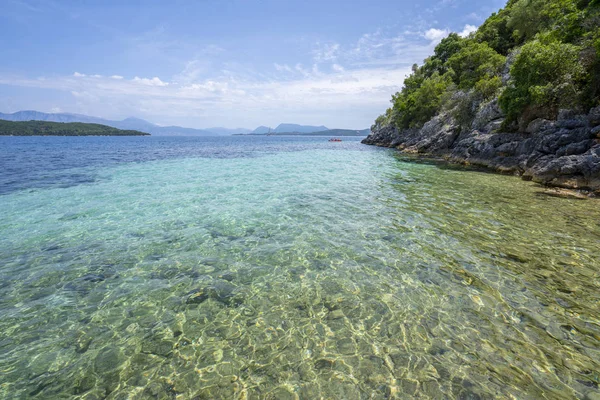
x: 384, y: 49
x: 150, y: 82
x: 344, y: 86
x: 282, y: 67
x: 436, y: 35
x: 312, y: 95
x: 192, y: 71
x: 468, y: 29
x: 326, y: 52
x: 302, y: 70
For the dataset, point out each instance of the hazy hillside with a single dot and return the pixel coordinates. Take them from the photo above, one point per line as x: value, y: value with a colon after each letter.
x: 261, y: 130
x: 283, y: 128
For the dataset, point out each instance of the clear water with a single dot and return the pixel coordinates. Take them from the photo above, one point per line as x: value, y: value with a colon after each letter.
x: 285, y: 268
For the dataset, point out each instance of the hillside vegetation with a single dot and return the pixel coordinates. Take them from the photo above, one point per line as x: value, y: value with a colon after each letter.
x: 44, y: 128
x: 534, y: 56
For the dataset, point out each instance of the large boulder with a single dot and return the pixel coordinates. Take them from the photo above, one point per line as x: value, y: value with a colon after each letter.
x: 382, y: 136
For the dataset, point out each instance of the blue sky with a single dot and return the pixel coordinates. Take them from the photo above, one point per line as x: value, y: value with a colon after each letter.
x: 221, y: 63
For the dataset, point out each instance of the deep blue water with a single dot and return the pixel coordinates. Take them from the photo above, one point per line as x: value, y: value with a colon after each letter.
x: 43, y: 162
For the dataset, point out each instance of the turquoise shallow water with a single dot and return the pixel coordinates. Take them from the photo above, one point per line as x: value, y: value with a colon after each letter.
x: 251, y: 268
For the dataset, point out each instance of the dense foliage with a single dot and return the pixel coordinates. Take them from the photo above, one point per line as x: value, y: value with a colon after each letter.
x: 44, y: 128
x: 536, y: 56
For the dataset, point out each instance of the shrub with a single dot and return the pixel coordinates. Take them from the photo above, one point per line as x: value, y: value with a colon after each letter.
x: 413, y: 108
x: 448, y: 47
x: 488, y: 87
x: 544, y: 74
x: 496, y: 32
x: 463, y: 107
x: 475, y: 62
x: 591, y: 56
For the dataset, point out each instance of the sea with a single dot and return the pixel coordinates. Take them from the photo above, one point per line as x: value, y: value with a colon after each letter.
x: 266, y: 267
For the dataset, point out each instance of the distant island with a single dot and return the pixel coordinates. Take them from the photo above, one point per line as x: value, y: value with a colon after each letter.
x: 44, y: 128
x: 328, y: 132
x: 126, y: 124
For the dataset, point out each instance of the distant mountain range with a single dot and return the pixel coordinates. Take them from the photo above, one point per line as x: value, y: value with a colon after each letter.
x: 261, y: 130
x: 148, y: 127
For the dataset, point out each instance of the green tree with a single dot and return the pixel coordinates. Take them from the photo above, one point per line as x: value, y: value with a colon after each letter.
x: 527, y: 18
x: 591, y: 55
x: 475, y: 62
x: 544, y: 74
x: 448, y: 47
x: 496, y: 33
x: 411, y: 109
x: 564, y: 20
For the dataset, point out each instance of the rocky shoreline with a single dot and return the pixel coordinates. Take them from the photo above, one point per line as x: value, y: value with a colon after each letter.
x: 562, y: 153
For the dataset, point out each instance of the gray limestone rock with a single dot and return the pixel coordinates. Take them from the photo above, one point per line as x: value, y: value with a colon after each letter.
x: 487, y: 114
x: 563, y: 153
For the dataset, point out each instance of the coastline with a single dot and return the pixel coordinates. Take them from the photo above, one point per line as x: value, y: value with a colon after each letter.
x: 564, y: 153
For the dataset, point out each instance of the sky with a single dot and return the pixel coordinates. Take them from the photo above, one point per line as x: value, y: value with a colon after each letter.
x: 230, y: 63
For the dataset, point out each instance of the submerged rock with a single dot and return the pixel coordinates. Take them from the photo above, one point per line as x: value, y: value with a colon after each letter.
x: 324, y: 363
x: 197, y: 296
x: 82, y: 344
x: 157, y: 347
x: 218, y: 289
x: 227, y: 276
x: 563, y: 193
x: 107, y: 360
x: 94, y: 278
x: 222, y: 290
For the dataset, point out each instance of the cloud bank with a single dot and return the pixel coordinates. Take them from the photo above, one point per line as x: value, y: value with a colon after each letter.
x: 344, y: 86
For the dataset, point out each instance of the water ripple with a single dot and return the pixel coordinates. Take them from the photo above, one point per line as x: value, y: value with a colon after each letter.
x: 291, y: 268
